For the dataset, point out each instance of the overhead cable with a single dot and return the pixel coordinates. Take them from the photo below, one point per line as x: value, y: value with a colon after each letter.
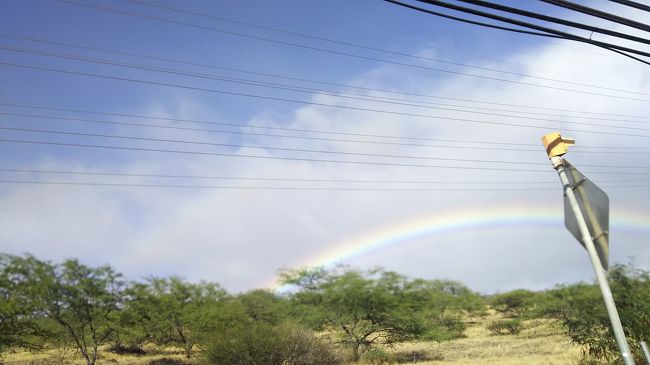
x: 285, y: 179
x: 633, y: 4
x: 499, y: 145
x: 301, y: 188
x: 281, y: 158
x: 552, y: 19
x: 599, y: 13
x: 360, y: 46
x: 344, y: 95
x: 264, y: 97
x: 287, y: 149
x: 130, y: 54
x: 286, y: 43
x: 530, y: 25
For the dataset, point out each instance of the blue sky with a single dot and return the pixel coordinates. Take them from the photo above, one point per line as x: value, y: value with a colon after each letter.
x: 239, y: 238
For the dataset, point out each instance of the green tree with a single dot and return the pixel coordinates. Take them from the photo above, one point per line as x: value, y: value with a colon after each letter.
x: 581, y: 310
x: 17, y: 317
x: 365, y: 308
x: 173, y: 311
x: 515, y: 303
x: 264, y: 305
x: 74, y: 301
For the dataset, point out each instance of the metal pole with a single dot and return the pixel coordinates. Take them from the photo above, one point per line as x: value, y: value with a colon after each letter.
x: 617, y: 327
x: 646, y: 353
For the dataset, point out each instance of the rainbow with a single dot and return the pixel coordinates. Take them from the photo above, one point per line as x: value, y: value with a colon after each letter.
x: 447, y: 222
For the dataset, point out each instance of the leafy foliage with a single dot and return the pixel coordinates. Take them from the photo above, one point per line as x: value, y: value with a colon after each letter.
x: 370, y: 308
x: 172, y: 311
x: 75, y: 303
x: 505, y: 327
x: 261, y: 343
x: 581, y: 310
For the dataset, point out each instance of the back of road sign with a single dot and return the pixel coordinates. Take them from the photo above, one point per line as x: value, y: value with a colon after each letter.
x: 594, y: 204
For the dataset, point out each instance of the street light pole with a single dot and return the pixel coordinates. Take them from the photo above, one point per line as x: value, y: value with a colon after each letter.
x: 556, y: 146
x: 617, y: 327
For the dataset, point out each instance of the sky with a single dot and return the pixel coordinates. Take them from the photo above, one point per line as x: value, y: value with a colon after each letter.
x: 224, y: 141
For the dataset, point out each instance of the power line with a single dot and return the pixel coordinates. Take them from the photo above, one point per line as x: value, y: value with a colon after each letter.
x: 224, y: 154
x: 551, y: 19
x: 285, y: 87
x: 608, y: 46
x: 286, y: 149
x: 531, y: 26
x: 130, y: 54
x: 291, y: 136
x: 170, y: 186
x: 97, y: 184
x: 302, y: 159
x: 279, y: 179
x: 391, y: 112
x: 303, y: 46
x: 276, y: 179
x: 633, y: 4
x: 499, y: 143
x: 311, y: 91
x: 599, y: 14
x: 355, y: 45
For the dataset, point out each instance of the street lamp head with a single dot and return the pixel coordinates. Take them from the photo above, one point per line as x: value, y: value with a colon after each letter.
x: 556, y: 145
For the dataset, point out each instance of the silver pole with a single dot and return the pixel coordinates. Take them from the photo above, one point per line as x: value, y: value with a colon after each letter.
x: 646, y: 352
x: 617, y: 327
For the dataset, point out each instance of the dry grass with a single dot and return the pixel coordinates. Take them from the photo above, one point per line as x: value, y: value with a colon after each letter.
x: 540, y: 342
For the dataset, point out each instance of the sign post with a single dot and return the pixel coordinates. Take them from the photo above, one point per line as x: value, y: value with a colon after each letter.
x: 587, y: 230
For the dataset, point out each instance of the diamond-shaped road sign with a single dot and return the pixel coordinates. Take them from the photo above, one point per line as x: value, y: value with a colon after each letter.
x: 594, y: 204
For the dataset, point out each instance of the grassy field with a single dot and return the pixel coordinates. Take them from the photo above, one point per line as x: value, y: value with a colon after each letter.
x: 540, y: 342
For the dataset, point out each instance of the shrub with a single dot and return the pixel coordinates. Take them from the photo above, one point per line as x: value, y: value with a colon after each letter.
x: 263, y: 344
x: 377, y: 356
x: 417, y: 356
x: 505, y: 327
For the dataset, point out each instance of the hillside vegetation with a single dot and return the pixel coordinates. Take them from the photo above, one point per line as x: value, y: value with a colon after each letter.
x: 59, y: 313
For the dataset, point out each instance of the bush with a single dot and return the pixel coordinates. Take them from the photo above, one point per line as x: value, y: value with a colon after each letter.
x: 377, y: 356
x: 505, y: 327
x: 417, y: 356
x: 263, y: 344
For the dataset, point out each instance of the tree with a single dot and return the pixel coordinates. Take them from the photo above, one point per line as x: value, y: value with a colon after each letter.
x: 77, y: 302
x: 365, y: 308
x: 581, y: 310
x: 173, y: 311
x: 515, y: 303
x: 17, y: 322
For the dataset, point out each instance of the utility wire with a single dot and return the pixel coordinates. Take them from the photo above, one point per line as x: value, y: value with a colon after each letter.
x: 285, y: 77
x: 284, y: 149
x: 283, y: 158
x: 303, y: 46
x: 551, y: 19
x: 311, y: 138
x: 599, y: 14
x: 263, y: 97
x: 530, y: 25
x: 480, y: 147
x: 280, y: 179
x: 355, y: 45
x: 310, y: 91
x: 633, y: 4
x: 564, y: 35
x: 367, y: 189
x: 277, y: 179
